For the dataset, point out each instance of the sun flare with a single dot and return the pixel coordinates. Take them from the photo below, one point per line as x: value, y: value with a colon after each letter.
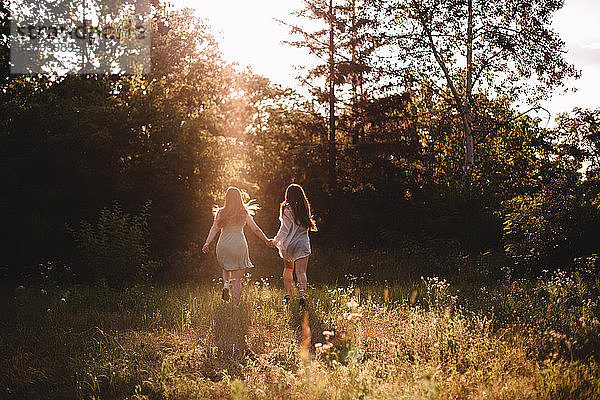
x: 249, y: 35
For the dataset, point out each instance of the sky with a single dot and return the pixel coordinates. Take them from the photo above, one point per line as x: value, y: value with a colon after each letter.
x: 578, y: 24
x: 249, y: 36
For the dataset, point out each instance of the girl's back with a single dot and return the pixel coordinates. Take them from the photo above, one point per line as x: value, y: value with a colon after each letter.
x: 292, y: 239
x: 232, y: 248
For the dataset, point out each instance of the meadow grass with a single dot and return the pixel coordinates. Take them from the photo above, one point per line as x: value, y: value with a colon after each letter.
x: 423, y: 339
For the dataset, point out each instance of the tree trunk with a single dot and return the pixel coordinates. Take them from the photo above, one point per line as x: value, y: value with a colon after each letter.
x: 467, y: 116
x: 354, y: 123
x: 463, y: 106
x: 332, y: 150
x: 469, y: 151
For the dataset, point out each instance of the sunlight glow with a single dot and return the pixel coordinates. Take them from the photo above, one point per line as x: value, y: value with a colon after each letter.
x: 249, y: 35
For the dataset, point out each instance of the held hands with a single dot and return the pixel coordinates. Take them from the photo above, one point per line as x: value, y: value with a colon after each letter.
x: 205, y: 248
x: 270, y: 243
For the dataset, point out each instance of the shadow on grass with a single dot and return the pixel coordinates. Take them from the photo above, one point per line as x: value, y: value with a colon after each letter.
x: 316, y: 324
x: 228, y: 347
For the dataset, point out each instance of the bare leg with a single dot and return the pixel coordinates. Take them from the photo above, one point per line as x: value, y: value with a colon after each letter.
x: 301, y: 265
x: 288, y: 278
x: 236, y: 285
x: 226, y: 278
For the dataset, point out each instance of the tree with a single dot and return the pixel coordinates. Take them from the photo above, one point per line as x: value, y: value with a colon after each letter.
x: 4, y: 39
x: 558, y: 219
x: 356, y: 65
x: 462, y: 47
x: 71, y: 145
x: 579, y: 133
x: 344, y: 52
x: 324, y: 44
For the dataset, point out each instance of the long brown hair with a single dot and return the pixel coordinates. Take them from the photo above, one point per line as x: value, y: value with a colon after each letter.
x: 296, y: 199
x: 235, y: 209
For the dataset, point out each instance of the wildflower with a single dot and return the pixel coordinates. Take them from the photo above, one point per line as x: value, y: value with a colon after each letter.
x: 350, y: 316
x: 327, y: 334
x: 352, y: 304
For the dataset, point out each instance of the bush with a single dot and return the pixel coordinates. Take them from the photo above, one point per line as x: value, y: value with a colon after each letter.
x: 553, y: 227
x: 116, y: 249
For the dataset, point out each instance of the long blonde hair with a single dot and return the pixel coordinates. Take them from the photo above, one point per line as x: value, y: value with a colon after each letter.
x: 235, y: 209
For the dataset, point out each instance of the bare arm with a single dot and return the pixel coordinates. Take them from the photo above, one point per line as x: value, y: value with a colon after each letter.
x: 256, y: 229
x: 214, y: 229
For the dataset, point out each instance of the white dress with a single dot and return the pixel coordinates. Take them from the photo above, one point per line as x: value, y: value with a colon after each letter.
x: 292, y: 238
x: 232, y: 248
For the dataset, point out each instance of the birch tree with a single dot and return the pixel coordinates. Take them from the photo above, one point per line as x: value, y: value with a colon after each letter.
x: 461, y: 47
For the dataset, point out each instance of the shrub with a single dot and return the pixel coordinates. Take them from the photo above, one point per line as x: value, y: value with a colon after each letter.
x: 116, y: 248
x: 552, y: 227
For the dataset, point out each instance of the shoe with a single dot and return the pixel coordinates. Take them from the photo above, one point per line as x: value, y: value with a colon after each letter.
x: 286, y: 299
x: 225, y: 295
x: 302, y: 302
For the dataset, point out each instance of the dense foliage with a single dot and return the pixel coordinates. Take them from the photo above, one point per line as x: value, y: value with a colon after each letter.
x: 70, y: 146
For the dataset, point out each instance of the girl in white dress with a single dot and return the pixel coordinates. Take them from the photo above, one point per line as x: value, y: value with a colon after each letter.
x: 292, y: 239
x: 232, y: 248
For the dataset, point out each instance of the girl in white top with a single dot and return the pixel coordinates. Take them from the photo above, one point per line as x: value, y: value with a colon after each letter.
x: 292, y: 239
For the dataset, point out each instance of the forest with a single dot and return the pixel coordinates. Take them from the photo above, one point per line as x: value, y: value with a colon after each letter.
x: 458, y: 234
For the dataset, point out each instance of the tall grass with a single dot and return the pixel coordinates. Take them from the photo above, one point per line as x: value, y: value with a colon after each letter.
x: 421, y: 339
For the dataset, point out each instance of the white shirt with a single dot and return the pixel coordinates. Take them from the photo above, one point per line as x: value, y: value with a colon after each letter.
x: 292, y: 238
